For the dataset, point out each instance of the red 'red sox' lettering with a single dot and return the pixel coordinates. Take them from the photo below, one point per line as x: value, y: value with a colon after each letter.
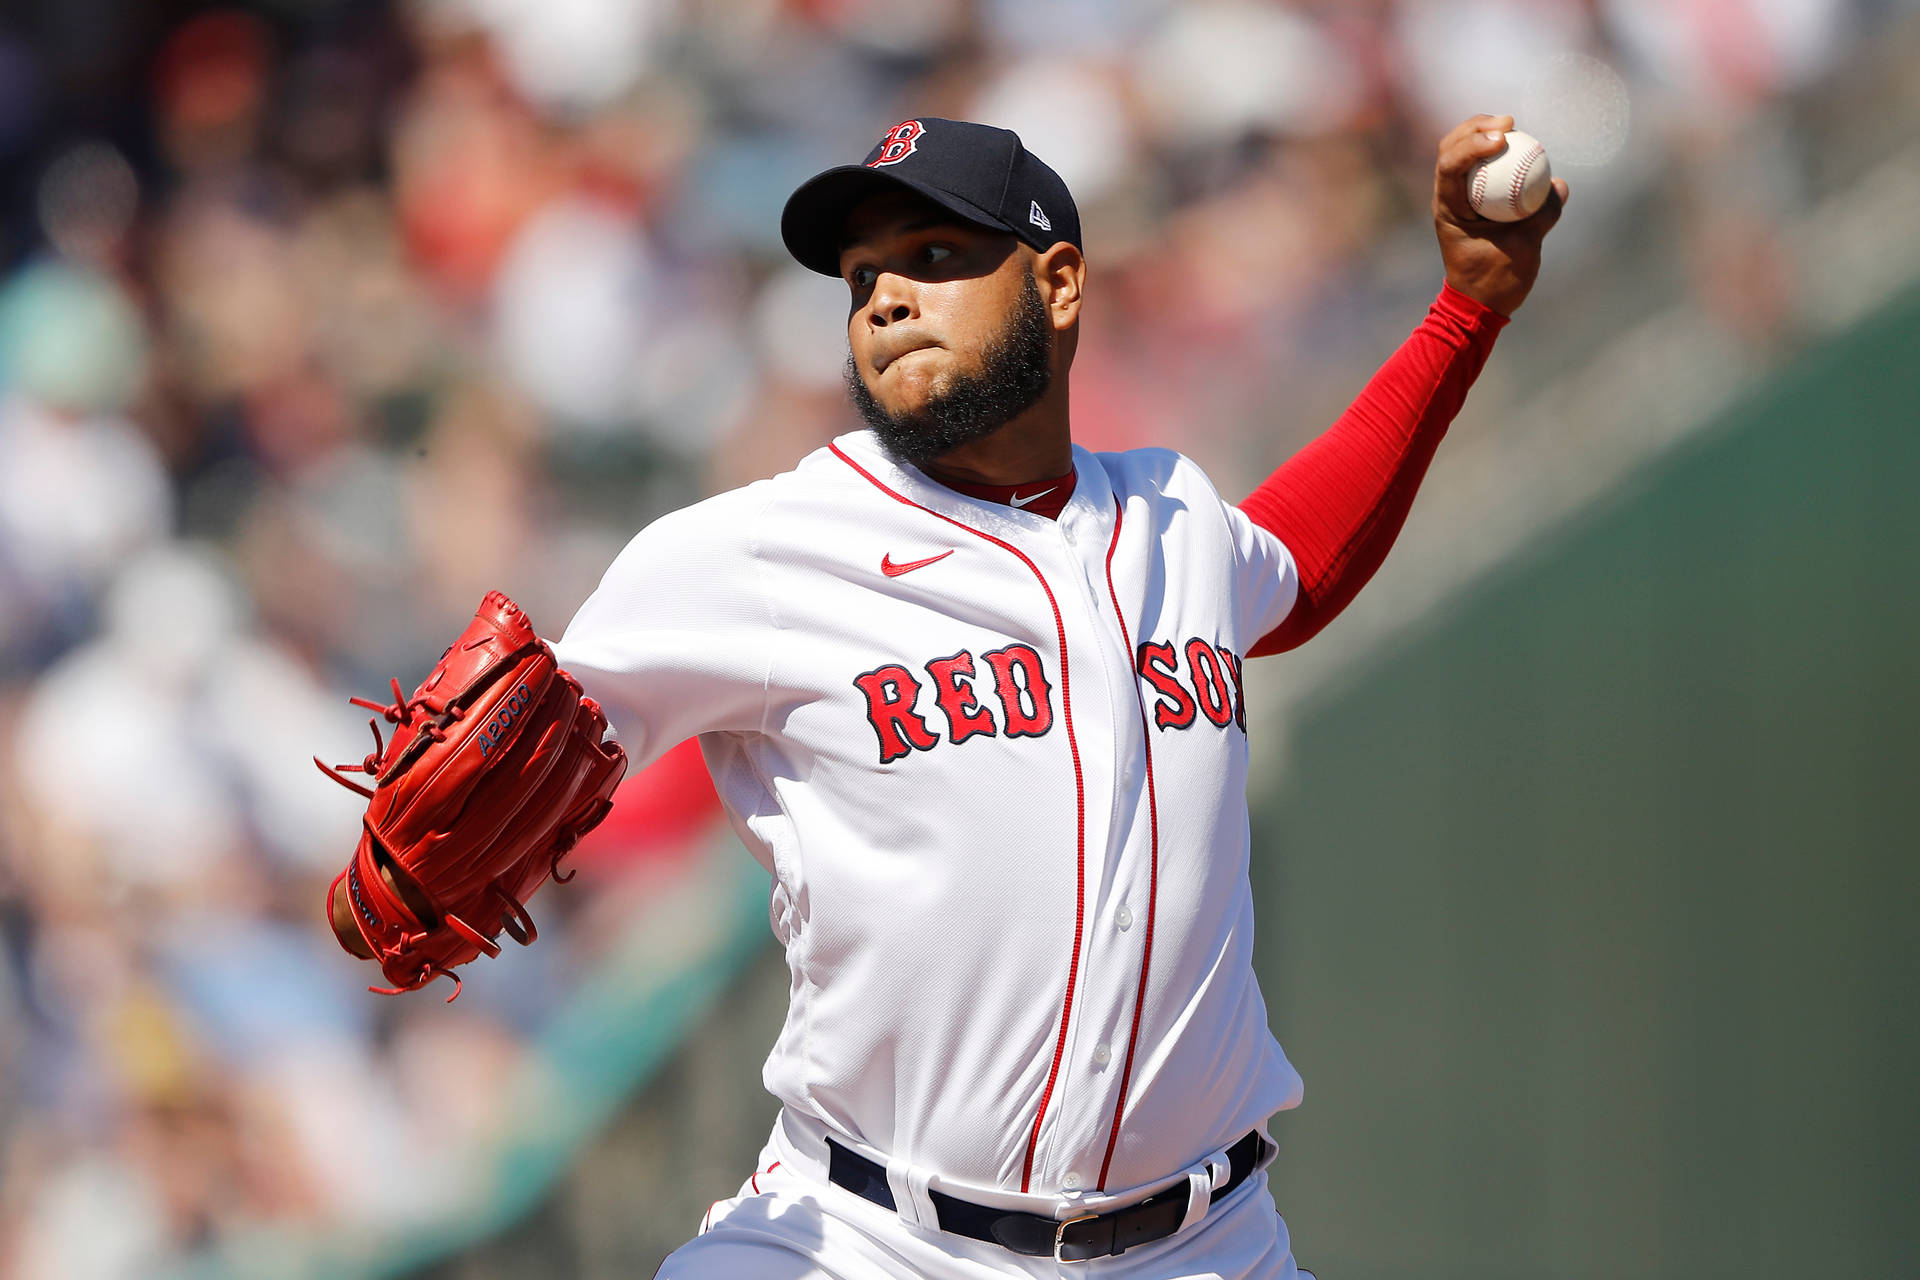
x: 1209, y: 682
x: 1159, y: 666
x: 1020, y: 688
x: 1025, y: 696
x: 1233, y: 663
x: 1213, y: 686
x: 891, y: 691
x: 953, y: 692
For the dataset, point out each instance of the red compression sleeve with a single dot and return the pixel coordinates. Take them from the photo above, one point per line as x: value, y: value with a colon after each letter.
x: 1339, y: 503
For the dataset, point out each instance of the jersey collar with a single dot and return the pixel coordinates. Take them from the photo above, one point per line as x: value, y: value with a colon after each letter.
x: 1088, y: 511
x: 1042, y: 497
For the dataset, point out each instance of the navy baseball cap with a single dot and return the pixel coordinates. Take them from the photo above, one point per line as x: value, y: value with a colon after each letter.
x: 976, y: 171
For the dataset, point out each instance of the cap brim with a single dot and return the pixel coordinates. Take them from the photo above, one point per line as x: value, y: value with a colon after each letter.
x: 816, y: 212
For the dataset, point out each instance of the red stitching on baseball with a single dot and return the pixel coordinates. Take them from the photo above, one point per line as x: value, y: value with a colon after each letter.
x: 1520, y: 177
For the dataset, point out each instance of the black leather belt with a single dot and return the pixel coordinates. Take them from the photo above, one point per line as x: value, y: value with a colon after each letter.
x: 1095, y: 1235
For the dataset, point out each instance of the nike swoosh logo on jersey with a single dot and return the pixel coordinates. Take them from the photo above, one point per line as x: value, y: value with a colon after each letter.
x: 1031, y: 498
x: 892, y: 570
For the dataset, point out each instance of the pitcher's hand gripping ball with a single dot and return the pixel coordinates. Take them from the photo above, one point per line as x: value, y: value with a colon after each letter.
x: 495, y: 770
x: 1513, y: 184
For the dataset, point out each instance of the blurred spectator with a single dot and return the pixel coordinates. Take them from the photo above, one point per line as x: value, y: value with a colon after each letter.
x: 80, y: 487
x: 1731, y: 55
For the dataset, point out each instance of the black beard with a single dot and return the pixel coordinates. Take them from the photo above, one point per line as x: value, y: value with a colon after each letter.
x: 1015, y: 371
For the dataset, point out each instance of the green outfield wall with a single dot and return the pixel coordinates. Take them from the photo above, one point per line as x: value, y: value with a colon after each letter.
x: 1589, y: 912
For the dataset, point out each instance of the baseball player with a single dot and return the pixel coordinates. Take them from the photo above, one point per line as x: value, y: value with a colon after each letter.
x: 974, y: 696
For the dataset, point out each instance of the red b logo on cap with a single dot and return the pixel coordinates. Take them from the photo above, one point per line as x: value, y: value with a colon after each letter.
x: 898, y: 144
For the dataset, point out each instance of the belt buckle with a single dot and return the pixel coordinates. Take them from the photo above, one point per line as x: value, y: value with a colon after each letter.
x: 1060, y: 1238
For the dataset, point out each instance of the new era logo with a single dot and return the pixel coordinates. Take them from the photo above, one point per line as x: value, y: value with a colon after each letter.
x: 1038, y: 216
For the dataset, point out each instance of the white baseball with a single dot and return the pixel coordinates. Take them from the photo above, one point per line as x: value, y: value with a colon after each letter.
x: 1514, y: 184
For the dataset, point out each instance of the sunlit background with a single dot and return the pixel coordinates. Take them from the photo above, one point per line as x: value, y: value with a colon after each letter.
x: 1585, y: 843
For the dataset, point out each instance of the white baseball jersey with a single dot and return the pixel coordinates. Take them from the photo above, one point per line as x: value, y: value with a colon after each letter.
x: 996, y: 765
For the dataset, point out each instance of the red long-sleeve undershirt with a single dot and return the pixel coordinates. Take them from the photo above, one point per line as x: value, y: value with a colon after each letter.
x: 1339, y: 503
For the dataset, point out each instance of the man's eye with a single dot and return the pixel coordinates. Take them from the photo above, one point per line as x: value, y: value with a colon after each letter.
x: 863, y: 277
x: 933, y: 253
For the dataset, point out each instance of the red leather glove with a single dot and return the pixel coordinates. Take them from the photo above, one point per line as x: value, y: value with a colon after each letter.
x: 495, y: 770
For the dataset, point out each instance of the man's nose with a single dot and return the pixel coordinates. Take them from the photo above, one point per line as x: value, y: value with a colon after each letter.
x: 892, y: 301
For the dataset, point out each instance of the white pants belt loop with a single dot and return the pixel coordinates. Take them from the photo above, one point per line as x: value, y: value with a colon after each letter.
x: 910, y: 1198
x: 1203, y: 1180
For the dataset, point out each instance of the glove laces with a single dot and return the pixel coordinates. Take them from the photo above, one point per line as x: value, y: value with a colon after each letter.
x: 434, y: 721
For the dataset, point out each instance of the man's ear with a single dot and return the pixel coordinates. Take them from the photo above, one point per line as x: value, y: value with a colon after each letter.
x: 1061, y: 273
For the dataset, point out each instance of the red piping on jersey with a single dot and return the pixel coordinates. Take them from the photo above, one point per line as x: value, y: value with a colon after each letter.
x: 1153, y: 864
x: 1079, y: 793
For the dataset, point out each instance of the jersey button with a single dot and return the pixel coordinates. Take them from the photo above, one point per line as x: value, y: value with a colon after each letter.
x: 1124, y: 918
x: 1102, y: 1055
x: 1071, y: 1182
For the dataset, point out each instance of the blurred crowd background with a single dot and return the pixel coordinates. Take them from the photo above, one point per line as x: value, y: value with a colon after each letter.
x: 319, y: 318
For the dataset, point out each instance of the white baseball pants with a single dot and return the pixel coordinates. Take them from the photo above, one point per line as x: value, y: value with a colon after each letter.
x: 785, y: 1225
